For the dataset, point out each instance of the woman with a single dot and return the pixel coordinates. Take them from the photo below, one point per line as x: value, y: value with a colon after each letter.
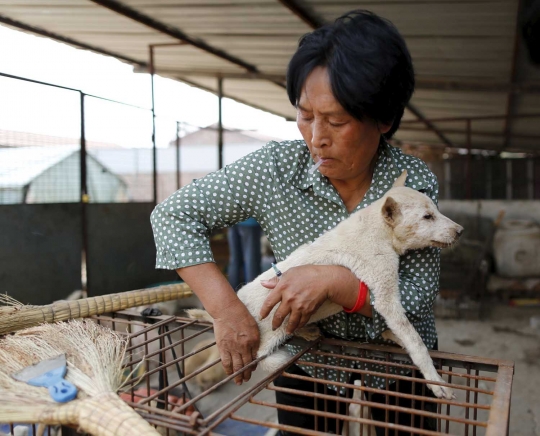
x: 350, y: 82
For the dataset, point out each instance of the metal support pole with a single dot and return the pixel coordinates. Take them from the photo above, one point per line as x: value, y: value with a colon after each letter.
x: 469, y: 162
x: 530, y: 179
x: 84, y: 201
x: 509, y: 179
x: 154, y: 149
x: 220, y: 123
x: 178, y: 184
x: 447, y: 179
x: 489, y: 179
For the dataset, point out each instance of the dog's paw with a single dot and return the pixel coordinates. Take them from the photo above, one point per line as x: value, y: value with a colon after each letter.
x: 308, y: 332
x: 442, y: 392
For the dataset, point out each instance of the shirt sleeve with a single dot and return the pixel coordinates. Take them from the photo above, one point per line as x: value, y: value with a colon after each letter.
x: 183, y: 223
x: 419, y: 272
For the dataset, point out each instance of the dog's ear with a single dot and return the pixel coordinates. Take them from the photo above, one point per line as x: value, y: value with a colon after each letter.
x: 400, y: 181
x: 390, y: 211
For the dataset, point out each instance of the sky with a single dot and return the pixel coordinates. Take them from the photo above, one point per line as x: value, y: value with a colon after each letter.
x: 35, y: 108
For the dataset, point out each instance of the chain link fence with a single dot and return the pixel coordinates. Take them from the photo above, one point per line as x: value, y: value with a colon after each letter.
x: 83, y: 148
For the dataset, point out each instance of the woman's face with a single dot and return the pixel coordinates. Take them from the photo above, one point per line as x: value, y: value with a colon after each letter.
x: 346, y: 146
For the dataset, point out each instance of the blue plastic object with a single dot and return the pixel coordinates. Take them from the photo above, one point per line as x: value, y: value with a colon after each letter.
x: 61, y: 390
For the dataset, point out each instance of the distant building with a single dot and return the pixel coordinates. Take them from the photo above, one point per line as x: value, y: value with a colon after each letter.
x: 52, y: 175
x: 14, y: 138
x: 198, y: 157
x: 44, y: 169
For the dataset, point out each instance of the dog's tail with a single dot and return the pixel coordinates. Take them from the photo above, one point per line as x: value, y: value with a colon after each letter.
x: 200, y: 314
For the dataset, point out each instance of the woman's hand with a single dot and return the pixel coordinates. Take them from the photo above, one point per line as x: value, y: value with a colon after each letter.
x: 237, y: 338
x: 301, y: 291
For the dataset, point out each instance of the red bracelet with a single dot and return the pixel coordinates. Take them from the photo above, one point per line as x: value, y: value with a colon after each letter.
x: 360, y: 301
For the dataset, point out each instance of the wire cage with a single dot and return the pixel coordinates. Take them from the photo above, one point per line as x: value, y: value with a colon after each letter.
x: 159, y: 389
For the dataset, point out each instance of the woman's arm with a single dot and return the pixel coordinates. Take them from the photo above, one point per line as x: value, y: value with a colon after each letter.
x: 303, y: 289
x: 182, y: 225
x: 237, y: 334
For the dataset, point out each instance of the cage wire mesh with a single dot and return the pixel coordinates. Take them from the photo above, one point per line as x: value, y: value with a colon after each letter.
x: 39, y: 148
x: 120, y: 157
x: 168, y: 156
x: 179, y: 402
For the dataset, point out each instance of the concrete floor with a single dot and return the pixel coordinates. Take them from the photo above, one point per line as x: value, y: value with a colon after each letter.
x: 505, y: 334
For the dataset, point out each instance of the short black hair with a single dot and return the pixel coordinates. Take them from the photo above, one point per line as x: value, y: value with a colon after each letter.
x: 369, y: 66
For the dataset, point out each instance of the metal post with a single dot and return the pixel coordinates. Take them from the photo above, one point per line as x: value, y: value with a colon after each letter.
x: 84, y: 201
x: 509, y: 181
x: 220, y: 123
x: 154, y: 149
x: 530, y: 179
x: 178, y: 185
x: 489, y: 179
x: 447, y: 180
x: 469, y: 162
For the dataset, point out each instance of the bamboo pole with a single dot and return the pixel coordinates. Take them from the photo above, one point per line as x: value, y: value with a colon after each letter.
x: 17, y: 317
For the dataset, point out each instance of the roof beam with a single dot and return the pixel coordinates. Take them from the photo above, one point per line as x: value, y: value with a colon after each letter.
x: 429, y: 124
x: 422, y: 83
x: 214, y: 74
x: 473, y: 118
x: 42, y: 32
x: 409, y: 128
x: 310, y: 19
x: 173, y: 32
x: 477, y: 86
x: 510, y: 101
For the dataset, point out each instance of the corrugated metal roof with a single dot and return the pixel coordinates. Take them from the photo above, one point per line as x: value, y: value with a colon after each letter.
x: 464, y: 53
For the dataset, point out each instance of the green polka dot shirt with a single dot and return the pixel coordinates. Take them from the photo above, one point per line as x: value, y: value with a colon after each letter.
x: 294, y: 207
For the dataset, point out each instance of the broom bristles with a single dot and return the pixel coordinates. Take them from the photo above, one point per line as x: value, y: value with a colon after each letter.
x: 94, y: 353
x: 94, y: 356
x: 16, y: 316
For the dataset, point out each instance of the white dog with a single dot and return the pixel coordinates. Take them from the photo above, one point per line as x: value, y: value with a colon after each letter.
x: 369, y: 243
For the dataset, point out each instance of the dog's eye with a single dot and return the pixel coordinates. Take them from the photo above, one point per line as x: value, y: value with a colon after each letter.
x: 428, y: 216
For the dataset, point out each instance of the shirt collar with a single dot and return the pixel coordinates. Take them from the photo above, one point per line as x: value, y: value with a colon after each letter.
x: 390, y: 164
x: 303, y: 179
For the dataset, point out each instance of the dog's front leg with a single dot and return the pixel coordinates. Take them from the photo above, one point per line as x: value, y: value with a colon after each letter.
x: 389, y: 335
x: 389, y: 306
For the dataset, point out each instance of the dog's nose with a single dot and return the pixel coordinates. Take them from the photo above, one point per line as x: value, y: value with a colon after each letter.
x: 459, y: 232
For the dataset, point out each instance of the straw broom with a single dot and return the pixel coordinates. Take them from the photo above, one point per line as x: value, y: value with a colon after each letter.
x: 94, y: 358
x: 15, y: 316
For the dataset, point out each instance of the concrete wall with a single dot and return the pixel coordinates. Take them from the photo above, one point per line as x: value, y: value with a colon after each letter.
x: 515, y: 209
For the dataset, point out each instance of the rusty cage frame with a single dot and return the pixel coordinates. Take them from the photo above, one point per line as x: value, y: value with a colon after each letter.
x: 158, y: 350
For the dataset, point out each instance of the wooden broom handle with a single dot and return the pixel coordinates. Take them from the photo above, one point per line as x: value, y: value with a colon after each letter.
x: 29, y: 316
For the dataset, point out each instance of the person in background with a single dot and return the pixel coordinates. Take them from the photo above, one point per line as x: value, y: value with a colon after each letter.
x: 244, y: 252
x: 267, y: 255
